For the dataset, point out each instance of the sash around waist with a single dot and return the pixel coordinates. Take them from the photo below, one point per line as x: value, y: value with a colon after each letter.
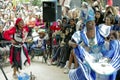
x: 19, y: 46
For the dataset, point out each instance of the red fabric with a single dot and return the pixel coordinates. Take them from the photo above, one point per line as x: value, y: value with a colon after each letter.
x: 26, y: 53
x: 18, y: 59
x: 37, y: 22
x: 40, y: 23
x: 26, y: 28
x: 7, y: 34
x: 110, y: 2
x: 18, y: 56
x: 11, y: 56
x: 55, y: 27
x: 18, y: 20
x: 54, y: 41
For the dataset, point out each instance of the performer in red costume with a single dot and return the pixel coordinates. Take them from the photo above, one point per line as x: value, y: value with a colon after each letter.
x: 18, y: 52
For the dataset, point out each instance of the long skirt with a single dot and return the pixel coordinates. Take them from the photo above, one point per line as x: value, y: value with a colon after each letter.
x: 18, y: 56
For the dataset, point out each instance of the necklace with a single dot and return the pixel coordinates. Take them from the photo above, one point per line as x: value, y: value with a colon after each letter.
x: 91, y: 42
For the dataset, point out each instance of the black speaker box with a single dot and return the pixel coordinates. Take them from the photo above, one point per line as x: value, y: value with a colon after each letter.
x: 49, y: 11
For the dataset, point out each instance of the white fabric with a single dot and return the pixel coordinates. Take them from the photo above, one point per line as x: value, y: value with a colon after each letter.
x: 104, y: 30
x: 35, y: 36
x: 77, y: 37
x: 100, y: 67
x: 66, y: 3
x: 23, y: 57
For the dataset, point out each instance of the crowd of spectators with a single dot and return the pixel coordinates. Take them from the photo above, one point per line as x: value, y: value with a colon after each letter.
x: 62, y: 30
x: 73, y: 21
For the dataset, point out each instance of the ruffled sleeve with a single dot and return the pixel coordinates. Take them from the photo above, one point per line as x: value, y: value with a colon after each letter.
x: 26, y: 28
x: 9, y: 33
x: 76, y: 37
x: 112, y: 49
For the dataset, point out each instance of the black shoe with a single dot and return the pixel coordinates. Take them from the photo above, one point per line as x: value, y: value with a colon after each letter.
x: 62, y: 65
x: 32, y: 57
x: 45, y: 59
x: 58, y: 64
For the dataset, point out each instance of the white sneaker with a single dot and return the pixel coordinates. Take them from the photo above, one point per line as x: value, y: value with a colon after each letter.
x: 72, y: 66
x: 49, y: 62
x: 15, y: 76
x: 54, y: 63
x: 66, y: 71
x: 66, y: 66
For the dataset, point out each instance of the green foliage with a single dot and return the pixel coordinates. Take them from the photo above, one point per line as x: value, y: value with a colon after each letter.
x: 36, y: 2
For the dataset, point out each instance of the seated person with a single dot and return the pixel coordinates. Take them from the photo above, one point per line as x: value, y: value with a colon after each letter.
x: 40, y: 44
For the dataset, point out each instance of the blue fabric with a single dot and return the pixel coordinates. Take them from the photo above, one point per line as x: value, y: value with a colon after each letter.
x: 34, y: 45
x: 23, y: 76
x: 79, y: 55
x: 87, y: 15
x: 116, y: 28
x: 84, y: 71
x: 115, y: 61
x: 90, y: 18
x: 57, y: 53
x: 113, y: 76
x: 109, y: 53
x: 100, y: 38
x: 79, y: 71
x: 76, y: 74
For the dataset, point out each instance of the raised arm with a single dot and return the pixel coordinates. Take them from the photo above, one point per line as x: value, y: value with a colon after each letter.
x: 8, y: 33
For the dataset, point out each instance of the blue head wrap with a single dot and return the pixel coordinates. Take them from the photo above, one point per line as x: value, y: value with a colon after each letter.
x: 87, y: 15
x: 90, y: 18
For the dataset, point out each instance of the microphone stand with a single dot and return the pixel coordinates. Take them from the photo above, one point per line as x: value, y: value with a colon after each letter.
x: 3, y: 71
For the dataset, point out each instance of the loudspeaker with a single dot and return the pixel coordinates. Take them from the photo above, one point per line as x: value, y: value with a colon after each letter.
x: 59, y: 12
x: 49, y: 11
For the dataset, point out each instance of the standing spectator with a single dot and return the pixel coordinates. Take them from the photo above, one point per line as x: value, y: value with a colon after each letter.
x: 65, y: 6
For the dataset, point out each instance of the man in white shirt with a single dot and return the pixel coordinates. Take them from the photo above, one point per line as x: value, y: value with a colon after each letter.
x: 35, y: 34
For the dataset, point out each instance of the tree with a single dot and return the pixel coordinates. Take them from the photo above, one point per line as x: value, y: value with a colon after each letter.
x: 36, y: 2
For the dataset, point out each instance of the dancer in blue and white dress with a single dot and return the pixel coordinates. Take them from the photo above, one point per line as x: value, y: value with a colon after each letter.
x: 89, y: 47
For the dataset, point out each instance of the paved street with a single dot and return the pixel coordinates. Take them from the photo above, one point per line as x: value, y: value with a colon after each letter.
x: 41, y: 70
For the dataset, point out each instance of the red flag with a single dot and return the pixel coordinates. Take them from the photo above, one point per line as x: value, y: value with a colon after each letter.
x: 110, y: 2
